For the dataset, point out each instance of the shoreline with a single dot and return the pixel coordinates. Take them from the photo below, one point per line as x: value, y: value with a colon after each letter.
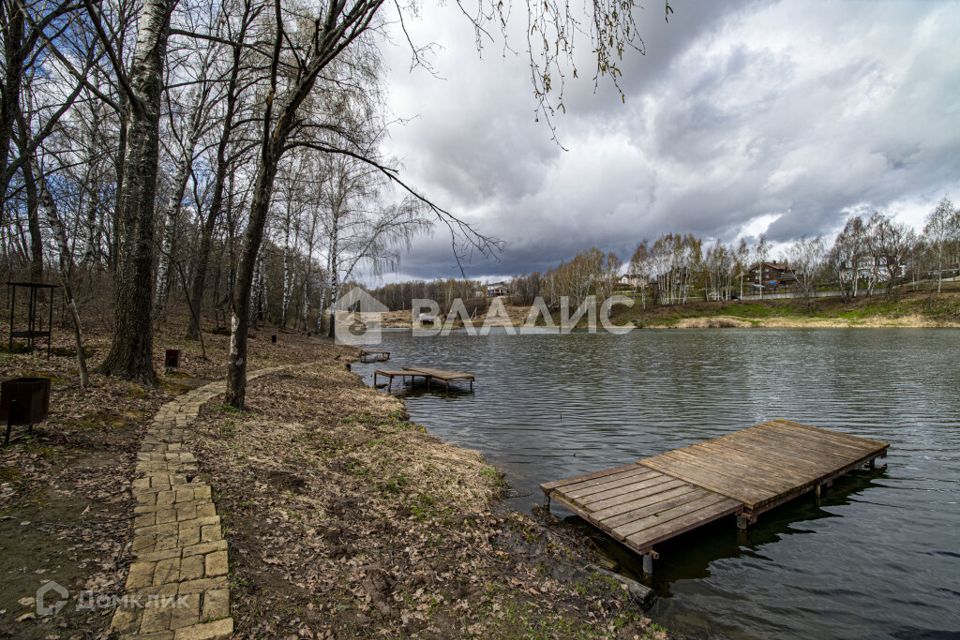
x: 402, y: 532
x: 342, y: 517
x: 797, y: 322
x: 914, y: 310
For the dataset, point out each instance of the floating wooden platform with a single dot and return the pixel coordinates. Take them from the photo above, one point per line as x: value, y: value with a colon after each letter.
x: 429, y: 375
x: 744, y: 473
x: 367, y: 355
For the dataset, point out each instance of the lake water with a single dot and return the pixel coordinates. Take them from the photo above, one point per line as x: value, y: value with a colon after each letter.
x: 878, y: 557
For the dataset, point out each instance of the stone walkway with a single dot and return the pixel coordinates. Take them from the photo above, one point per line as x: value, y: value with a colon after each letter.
x: 177, y: 586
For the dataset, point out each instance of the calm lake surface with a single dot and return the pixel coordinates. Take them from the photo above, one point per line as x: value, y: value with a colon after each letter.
x: 879, y: 557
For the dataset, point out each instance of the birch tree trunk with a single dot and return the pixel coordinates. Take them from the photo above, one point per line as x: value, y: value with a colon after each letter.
x: 175, y: 204
x: 287, y: 269
x: 49, y: 207
x: 337, y: 30
x: 333, y: 268
x: 131, y: 351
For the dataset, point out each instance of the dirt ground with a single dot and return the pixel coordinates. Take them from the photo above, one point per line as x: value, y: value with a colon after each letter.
x: 65, y: 504
x: 345, y: 520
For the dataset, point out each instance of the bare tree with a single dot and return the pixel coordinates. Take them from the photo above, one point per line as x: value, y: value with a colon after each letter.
x: 761, y: 253
x: 234, y: 32
x: 937, y: 234
x: 805, y: 258
x: 847, y: 255
x: 196, y: 126
x: 65, y: 271
x: 297, y: 59
x: 641, y: 269
x: 131, y: 350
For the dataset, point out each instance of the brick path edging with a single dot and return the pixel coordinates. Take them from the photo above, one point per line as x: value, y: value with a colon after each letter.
x: 179, y: 572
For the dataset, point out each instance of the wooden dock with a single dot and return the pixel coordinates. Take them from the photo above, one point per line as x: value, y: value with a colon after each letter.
x: 744, y: 473
x: 428, y: 374
x: 368, y: 355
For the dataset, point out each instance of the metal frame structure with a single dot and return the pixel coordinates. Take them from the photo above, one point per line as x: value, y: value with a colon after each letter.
x: 34, y: 328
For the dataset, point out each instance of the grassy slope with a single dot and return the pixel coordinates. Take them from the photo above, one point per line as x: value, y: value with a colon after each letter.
x: 922, y: 309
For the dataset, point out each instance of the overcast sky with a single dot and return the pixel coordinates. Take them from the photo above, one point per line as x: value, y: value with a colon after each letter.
x: 742, y: 118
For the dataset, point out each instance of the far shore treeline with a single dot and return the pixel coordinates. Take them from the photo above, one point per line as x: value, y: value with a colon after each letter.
x: 872, y: 254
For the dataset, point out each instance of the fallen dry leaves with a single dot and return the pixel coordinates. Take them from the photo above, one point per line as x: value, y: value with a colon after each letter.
x: 345, y: 520
x: 65, y: 505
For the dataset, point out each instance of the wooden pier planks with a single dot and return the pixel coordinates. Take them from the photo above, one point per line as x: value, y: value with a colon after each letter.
x: 767, y: 464
x: 745, y: 472
x: 441, y: 374
x: 373, y: 355
x: 640, y: 506
x: 428, y: 374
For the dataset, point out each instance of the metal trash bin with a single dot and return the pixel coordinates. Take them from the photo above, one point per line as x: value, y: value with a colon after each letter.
x: 24, y: 401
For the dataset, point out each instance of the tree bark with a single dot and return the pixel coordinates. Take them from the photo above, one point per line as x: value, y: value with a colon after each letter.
x: 172, y: 212
x: 219, y: 184
x: 33, y: 223
x: 131, y: 351
x: 49, y: 206
x: 253, y: 237
x: 13, y: 35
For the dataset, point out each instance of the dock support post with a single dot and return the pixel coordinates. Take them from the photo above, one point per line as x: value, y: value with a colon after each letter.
x: 648, y: 564
x: 374, y: 379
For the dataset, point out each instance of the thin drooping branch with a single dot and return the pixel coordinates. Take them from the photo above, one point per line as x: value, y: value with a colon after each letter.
x: 464, y: 236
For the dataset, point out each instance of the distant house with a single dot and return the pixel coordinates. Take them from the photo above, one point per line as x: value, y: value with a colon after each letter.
x: 771, y: 275
x: 497, y: 289
x: 631, y: 280
x: 871, y: 266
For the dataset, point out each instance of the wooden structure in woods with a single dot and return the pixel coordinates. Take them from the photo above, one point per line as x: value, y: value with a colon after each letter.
x: 368, y: 355
x: 745, y: 473
x: 428, y: 375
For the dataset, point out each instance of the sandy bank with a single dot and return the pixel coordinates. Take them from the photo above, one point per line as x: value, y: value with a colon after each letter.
x: 798, y: 322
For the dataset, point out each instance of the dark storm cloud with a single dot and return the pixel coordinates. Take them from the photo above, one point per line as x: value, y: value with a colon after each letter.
x: 740, y: 117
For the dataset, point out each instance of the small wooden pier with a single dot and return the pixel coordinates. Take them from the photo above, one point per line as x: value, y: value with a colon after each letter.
x: 744, y: 473
x: 428, y: 375
x: 369, y: 355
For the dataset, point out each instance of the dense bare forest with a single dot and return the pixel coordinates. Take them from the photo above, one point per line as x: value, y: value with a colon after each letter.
x: 222, y: 159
